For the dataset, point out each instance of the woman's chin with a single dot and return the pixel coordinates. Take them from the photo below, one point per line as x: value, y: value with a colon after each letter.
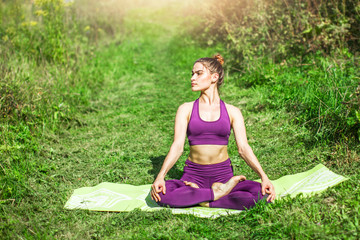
x: 194, y: 89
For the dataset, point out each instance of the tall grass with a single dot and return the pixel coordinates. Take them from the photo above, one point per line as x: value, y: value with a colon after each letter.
x: 283, y: 28
x: 321, y: 92
x: 109, y: 117
x: 48, y: 72
x: 305, y: 52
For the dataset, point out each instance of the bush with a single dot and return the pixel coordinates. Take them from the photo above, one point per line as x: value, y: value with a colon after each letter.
x: 304, y: 54
x: 323, y: 93
x: 279, y: 29
x: 48, y: 72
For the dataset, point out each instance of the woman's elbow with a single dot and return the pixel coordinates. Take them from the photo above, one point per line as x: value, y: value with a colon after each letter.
x: 180, y: 151
x: 243, y: 150
x: 179, y: 148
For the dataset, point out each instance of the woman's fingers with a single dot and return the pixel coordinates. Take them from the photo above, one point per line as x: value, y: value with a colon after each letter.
x: 271, y: 197
x: 271, y: 191
x: 263, y: 189
x: 152, y: 196
x: 242, y: 178
x: 155, y: 196
x: 268, y: 188
x: 164, y: 189
x: 155, y: 192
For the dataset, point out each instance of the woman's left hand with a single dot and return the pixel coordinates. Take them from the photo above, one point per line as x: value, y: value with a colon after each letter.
x: 267, y: 187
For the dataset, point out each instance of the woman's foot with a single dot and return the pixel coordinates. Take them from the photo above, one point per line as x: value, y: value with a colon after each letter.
x: 222, y: 189
x: 194, y: 185
x: 204, y: 204
x: 191, y: 184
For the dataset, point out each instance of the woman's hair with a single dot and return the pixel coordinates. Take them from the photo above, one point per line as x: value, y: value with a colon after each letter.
x: 214, y: 65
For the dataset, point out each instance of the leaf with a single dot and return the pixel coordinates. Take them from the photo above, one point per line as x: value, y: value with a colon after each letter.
x: 357, y: 114
x: 306, y: 31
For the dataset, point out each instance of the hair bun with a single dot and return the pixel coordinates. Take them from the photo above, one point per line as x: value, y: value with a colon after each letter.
x: 219, y: 58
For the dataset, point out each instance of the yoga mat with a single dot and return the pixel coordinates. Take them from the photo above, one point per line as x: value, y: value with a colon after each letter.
x: 125, y: 197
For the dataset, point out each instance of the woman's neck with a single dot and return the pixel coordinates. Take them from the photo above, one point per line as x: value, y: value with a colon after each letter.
x: 210, y: 96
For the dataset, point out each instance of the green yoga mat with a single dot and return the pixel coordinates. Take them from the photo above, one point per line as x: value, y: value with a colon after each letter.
x: 124, y: 197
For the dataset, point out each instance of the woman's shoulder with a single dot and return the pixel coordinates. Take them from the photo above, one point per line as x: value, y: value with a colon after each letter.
x: 187, y: 104
x: 231, y: 108
x: 186, y: 107
x: 233, y: 111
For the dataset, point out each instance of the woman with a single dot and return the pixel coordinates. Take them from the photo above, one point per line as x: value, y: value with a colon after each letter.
x: 208, y: 178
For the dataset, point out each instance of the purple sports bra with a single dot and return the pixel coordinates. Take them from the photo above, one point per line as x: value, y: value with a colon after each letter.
x: 200, y: 132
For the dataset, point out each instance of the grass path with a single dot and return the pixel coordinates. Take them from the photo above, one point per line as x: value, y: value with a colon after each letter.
x: 126, y: 132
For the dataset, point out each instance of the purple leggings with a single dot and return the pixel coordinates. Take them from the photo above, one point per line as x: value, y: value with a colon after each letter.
x: 243, y: 196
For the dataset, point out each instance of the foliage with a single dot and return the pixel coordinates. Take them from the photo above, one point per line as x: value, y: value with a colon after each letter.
x: 322, y: 92
x: 43, y: 45
x: 125, y: 137
x: 38, y: 30
x: 48, y: 73
x: 304, y: 51
x: 110, y: 116
x: 280, y: 29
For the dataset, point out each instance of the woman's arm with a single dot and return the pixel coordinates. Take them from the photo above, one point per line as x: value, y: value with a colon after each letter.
x: 245, y: 151
x: 176, y: 149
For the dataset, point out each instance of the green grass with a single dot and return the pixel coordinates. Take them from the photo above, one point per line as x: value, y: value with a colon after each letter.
x: 123, y: 134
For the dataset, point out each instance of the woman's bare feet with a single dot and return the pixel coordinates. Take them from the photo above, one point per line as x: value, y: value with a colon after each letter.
x: 223, y: 189
x: 194, y: 185
x: 219, y: 189
x: 191, y: 184
x: 204, y: 204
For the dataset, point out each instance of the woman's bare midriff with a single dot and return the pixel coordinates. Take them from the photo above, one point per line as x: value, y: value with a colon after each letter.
x: 208, y: 154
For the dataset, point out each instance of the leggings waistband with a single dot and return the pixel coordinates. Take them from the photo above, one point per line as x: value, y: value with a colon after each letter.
x: 209, y: 170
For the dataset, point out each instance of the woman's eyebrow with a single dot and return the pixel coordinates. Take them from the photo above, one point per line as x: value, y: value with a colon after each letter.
x: 197, y: 71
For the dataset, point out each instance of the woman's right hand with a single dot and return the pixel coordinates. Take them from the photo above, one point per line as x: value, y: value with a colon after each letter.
x: 157, y: 187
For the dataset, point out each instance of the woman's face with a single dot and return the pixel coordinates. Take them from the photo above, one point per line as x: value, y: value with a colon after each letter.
x: 201, y: 78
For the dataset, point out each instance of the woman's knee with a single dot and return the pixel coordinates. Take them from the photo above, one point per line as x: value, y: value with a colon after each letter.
x: 167, y: 199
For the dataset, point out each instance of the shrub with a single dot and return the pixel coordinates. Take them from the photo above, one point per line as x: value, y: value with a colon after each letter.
x: 280, y: 29
x: 48, y: 72
x: 302, y: 53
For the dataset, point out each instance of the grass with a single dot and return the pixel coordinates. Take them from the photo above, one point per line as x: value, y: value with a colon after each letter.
x: 124, y: 133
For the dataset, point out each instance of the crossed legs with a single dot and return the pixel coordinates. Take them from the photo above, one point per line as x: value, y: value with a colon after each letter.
x: 212, y: 186
x: 178, y: 194
x: 234, y: 194
x: 243, y: 196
